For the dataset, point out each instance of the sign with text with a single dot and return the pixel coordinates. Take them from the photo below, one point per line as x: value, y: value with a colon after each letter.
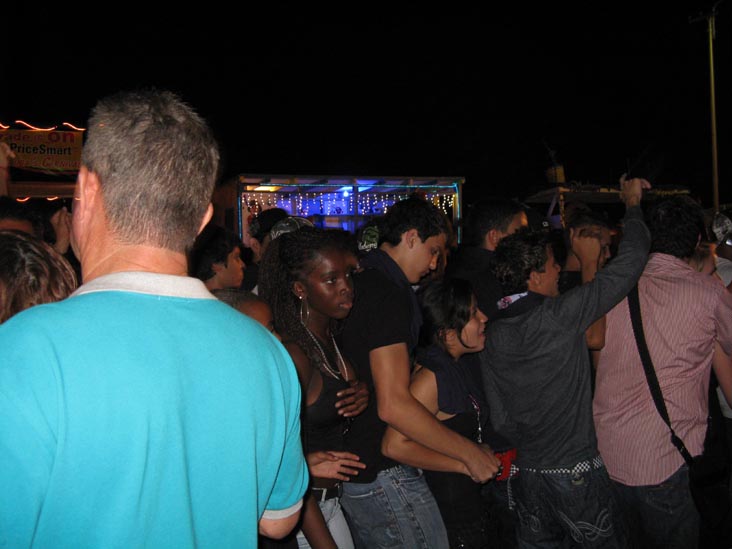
x: 48, y: 151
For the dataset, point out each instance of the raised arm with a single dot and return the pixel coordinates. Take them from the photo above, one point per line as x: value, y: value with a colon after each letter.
x: 614, y: 281
x: 586, y: 246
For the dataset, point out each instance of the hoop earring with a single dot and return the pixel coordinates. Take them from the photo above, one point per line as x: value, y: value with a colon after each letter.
x: 304, y: 312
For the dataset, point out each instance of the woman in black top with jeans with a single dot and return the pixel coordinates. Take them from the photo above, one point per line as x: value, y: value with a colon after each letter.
x: 305, y: 276
x: 446, y: 383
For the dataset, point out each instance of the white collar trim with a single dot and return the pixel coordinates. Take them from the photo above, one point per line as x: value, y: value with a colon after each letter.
x: 147, y: 283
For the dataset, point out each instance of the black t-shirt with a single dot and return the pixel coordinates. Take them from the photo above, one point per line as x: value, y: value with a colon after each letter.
x: 381, y: 316
x: 474, y: 265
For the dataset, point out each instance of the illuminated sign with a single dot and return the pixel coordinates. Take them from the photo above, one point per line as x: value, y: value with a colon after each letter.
x: 42, y: 150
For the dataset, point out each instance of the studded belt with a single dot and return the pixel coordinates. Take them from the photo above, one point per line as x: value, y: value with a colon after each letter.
x: 581, y: 467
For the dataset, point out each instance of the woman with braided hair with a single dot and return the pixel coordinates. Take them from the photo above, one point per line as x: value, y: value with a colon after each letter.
x: 305, y: 276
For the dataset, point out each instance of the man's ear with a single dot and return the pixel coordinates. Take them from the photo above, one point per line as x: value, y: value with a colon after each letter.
x: 535, y: 278
x: 493, y: 237
x: 410, y: 238
x: 88, y: 193
x: 206, y: 217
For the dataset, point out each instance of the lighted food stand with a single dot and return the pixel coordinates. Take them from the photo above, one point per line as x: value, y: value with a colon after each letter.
x: 346, y: 202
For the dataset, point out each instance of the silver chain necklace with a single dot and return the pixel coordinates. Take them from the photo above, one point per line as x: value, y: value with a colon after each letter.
x: 476, y: 407
x: 341, y: 364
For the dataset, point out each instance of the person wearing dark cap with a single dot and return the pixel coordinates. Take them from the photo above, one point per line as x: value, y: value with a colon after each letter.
x: 259, y: 238
x: 288, y: 225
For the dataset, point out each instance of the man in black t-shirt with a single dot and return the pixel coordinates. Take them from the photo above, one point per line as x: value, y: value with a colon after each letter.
x: 487, y: 223
x: 390, y: 504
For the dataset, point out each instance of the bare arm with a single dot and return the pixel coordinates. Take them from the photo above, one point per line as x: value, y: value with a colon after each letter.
x: 278, y: 528
x: 398, y: 447
x: 320, y: 464
x: 314, y: 527
x: 397, y: 407
x: 587, y: 247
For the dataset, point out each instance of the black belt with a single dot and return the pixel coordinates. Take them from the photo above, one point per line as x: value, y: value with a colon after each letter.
x: 322, y: 494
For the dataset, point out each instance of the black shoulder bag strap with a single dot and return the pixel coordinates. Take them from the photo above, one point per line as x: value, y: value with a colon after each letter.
x: 640, y: 339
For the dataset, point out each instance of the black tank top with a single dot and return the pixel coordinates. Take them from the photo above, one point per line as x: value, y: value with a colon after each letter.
x: 323, y: 426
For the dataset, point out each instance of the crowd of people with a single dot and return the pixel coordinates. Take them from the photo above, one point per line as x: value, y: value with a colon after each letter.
x: 412, y: 392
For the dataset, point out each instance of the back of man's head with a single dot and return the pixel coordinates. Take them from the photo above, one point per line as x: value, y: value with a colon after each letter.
x: 582, y: 219
x: 157, y: 162
x: 412, y: 213
x: 489, y: 214
x: 676, y: 225
x: 516, y: 256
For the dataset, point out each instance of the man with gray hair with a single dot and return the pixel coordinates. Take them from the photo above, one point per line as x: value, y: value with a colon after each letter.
x: 142, y: 411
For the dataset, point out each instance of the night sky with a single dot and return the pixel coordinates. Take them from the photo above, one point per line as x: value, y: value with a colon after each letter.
x: 480, y: 93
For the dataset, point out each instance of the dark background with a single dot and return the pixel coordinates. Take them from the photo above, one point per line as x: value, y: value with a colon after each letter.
x: 363, y: 89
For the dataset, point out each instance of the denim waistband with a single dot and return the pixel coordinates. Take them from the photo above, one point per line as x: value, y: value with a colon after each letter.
x: 400, y: 471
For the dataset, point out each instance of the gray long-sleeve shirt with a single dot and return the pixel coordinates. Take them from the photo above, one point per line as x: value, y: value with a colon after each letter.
x: 536, y: 366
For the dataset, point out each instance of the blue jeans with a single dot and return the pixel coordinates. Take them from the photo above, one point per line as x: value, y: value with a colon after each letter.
x: 661, y: 515
x: 336, y: 522
x: 396, y: 510
x: 567, y: 510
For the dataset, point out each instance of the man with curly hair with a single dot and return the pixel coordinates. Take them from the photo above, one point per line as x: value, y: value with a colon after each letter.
x: 537, y: 376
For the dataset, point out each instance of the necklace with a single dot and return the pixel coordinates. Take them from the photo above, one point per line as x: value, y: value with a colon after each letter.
x: 341, y: 363
x: 476, y: 407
